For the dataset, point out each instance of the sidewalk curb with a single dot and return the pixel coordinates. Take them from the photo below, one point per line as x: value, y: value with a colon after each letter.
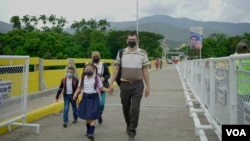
x: 37, y: 114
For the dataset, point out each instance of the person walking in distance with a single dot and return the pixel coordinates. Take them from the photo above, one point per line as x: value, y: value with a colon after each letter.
x: 104, y: 74
x: 67, y: 88
x: 161, y: 63
x: 243, y: 69
x: 134, y: 70
x: 157, y: 63
x: 89, y: 107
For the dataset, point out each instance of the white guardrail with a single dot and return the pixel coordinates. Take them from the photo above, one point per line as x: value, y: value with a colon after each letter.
x: 221, y: 89
x: 13, y: 98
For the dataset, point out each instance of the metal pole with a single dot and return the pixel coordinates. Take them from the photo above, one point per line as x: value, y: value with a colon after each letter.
x: 200, y: 53
x: 137, y: 17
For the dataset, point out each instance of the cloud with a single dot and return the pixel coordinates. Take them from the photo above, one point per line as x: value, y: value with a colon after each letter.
x: 235, y: 11
x: 125, y: 10
x: 206, y: 10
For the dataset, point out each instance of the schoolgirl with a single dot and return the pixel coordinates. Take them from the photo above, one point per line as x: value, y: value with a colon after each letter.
x: 89, y: 107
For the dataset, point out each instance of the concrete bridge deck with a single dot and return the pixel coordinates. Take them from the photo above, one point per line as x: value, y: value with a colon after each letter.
x: 164, y: 116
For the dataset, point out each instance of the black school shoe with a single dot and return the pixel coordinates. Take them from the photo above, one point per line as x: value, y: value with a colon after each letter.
x: 131, y: 138
x: 65, y: 124
x: 91, y: 137
x: 100, y: 120
x: 131, y: 134
x: 74, y: 121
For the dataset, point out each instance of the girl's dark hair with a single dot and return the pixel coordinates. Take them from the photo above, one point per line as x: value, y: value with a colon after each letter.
x: 83, y: 74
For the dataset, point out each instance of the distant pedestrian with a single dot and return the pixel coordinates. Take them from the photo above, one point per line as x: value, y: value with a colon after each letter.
x: 247, y: 42
x: 89, y: 107
x: 161, y: 63
x: 157, y: 63
x: 67, y: 88
x: 243, y: 85
x: 134, y: 69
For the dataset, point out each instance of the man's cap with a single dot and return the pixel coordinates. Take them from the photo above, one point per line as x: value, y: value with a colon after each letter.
x: 242, y: 46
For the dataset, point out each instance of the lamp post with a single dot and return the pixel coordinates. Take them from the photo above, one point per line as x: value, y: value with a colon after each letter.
x: 164, y: 47
x: 137, y: 17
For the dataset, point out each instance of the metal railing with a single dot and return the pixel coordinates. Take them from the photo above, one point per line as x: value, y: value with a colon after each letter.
x: 221, y: 89
x: 14, y: 92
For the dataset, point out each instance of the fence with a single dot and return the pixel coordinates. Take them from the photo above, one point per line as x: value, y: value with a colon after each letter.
x: 14, y: 92
x: 221, y: 89
x: 42, y: 77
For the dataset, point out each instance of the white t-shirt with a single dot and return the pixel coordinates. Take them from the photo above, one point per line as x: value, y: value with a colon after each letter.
x: 99, y: 69
x: 69, y: 89
x: 89, y: 83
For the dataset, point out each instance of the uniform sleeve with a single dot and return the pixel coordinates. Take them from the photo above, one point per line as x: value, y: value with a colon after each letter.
x: 100, y: 85
x: 146, y: 62
x: 117, y: 60
x: 79, y: 83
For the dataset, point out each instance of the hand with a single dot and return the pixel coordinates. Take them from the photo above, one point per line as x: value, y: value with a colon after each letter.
x: 110, y: 90
x: 74, y: 97
x: 102, y: 79
x: 147, y: 91
x: 57, y: 99
x: 61, y: 94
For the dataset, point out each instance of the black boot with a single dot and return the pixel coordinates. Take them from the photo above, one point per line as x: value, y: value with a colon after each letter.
x: 91, y: 133
x: 100, y: 118
x: 88, y: 129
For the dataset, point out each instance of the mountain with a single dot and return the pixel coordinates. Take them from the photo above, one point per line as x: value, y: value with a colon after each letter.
x: 175, y: 30
x: 5, y: 27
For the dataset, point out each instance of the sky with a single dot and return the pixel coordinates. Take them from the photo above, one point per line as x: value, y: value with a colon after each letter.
x: 234, y: 11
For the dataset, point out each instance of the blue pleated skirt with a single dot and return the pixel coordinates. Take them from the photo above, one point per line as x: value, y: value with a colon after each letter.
x: 89, y: 107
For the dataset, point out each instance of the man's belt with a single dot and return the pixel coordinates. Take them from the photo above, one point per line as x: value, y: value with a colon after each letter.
x: 131, y: 81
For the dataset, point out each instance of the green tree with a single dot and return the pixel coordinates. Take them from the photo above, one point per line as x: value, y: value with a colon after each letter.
x: 44, y: 19
x: 148, y: 41
x: 98, y: 42
x: 151, y: 42
x: 76, y: 26
x: 52, y: 19
x: 103, y: 24
x: 115, y: 41
x: 16, y: 22
x: 12, y: 41
x: 79, y: 26
x: 26, y: 20
x: 92, y: 24
x: 215, y: 46
x: 34, y: 20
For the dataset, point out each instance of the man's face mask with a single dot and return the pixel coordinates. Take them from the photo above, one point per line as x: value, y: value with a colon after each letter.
x: 132, y: 44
